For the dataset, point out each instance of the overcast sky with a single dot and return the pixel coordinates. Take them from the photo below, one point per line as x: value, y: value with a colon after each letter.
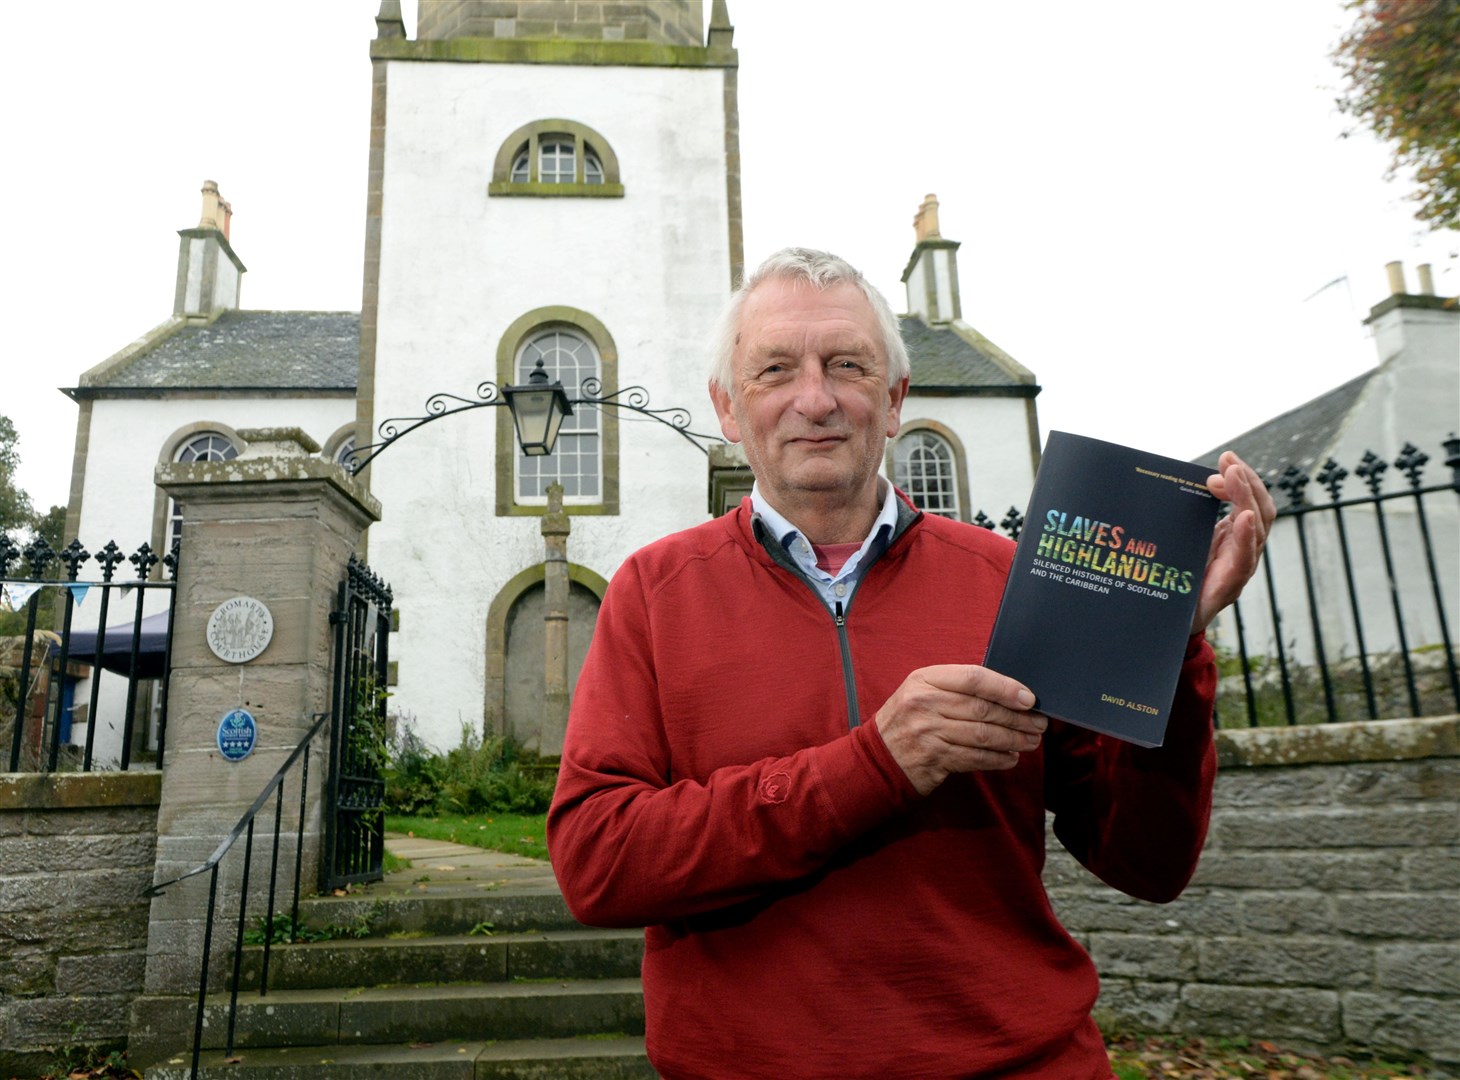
x: 1148, y: 194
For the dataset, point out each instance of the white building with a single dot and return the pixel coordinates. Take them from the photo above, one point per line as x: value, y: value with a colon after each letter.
x: 564, y: 192
x: 1411, y: 398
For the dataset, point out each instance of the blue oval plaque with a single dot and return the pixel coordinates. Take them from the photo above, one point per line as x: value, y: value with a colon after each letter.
x: 237, y: 733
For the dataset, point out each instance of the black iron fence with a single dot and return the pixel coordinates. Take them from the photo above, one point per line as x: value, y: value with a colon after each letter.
x: 65, y: 668
x: 1351, y: 616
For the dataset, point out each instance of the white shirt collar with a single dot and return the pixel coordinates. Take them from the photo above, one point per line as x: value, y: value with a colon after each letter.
x: 790, y: 536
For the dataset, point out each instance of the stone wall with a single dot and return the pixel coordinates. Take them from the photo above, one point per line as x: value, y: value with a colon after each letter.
x: 76, y: 851
x: 1326, y: 910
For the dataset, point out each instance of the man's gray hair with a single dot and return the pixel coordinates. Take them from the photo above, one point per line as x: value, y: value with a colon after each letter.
x: 823, y: 270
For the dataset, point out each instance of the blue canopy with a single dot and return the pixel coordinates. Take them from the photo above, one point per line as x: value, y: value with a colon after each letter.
x: 117, y: 649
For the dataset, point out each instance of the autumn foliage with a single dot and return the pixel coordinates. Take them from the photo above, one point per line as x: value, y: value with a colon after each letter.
x: 1402, y: 63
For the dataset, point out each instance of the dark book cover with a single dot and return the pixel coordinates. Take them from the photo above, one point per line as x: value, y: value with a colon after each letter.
x: 1098, y: 606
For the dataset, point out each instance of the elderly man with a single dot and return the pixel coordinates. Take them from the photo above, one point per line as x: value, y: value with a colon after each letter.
x: 784, y: 760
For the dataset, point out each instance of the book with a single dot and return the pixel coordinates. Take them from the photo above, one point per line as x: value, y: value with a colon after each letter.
x: 1098, y: 606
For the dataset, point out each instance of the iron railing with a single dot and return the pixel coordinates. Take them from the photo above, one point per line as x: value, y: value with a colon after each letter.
x: 245, y: 828
x: 42, y: 660
x: 1352, y: 597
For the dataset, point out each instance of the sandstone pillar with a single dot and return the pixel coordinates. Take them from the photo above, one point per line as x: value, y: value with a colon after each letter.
x: 277, y: 525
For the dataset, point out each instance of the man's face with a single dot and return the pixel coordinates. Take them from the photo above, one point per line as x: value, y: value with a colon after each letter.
x: 811, y: 401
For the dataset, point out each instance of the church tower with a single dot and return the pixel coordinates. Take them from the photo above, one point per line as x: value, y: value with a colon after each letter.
x: 554, y: 182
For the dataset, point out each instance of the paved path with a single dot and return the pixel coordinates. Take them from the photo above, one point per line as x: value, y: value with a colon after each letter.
x: 439, y: 867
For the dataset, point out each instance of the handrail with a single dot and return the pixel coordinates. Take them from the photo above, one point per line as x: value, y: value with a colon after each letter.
x: 237, y: 831
x: 275, y: 787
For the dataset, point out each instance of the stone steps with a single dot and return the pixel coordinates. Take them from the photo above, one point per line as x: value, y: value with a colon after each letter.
x: 560, y: 954
x: 589, y: 1058
x: 468, y: 969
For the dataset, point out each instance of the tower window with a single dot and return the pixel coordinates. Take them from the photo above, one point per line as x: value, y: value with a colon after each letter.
x: 556, y: 158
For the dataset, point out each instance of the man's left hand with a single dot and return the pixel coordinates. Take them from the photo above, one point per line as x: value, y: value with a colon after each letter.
x: 1239, y: 538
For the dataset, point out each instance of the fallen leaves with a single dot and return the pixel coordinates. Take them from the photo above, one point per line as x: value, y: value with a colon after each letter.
x: 1134, y: 1057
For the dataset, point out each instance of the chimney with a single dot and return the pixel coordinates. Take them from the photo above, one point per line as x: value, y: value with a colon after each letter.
x: 925, y: 221
x: 931, y: 275
x: 1396, y: 278
x: 216, y: 212
x: 209, y: 274
x: 1414, y: 323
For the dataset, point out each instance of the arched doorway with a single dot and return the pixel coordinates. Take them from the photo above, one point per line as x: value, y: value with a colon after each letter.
x: 515, y: 653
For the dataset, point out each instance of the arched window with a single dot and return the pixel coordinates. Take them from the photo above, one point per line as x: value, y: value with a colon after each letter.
x: 340, y: 445
x: 204, y: 446
x: 556, y: 157
x: 573, y: 346
x: 926, y: 466
x: 577, y: 460
x: 556, y: 162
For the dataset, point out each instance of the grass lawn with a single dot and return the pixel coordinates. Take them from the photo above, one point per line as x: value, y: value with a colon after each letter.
x: 520, y: 834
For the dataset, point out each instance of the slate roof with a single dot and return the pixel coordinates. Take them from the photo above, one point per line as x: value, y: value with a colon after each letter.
x: 941, y: 358
x: 274, y: 350
x: 1298, y: 437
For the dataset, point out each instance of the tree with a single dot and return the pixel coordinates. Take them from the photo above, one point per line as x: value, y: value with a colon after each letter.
x: 51, y: 527
x: 1402, y: 63
x: 15, y: 508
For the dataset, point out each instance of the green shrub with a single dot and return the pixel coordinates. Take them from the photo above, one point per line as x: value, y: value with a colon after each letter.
x: 492, y: 775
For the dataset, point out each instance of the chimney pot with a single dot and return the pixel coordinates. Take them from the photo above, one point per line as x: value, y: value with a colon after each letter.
x: 216, y: 211
x: 1396, y: 278
x: 925, y: 221
x: 1426, y: 280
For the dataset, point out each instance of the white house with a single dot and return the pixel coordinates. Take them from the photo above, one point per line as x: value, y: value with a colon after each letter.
x: 1411, y: 398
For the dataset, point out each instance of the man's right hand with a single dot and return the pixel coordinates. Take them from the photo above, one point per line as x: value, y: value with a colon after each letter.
x: 958, y: 718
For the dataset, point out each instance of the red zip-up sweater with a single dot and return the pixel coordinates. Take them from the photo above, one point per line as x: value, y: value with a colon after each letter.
x: 807, y: 913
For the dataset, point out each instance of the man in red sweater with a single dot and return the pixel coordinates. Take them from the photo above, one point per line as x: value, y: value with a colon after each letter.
x: 784, y: 760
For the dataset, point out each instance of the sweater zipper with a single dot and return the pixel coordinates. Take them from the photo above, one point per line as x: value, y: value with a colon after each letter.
x: 849, y: 680
x: 838, y: 618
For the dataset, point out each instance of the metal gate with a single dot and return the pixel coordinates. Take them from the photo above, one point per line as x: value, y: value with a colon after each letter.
x: 355, y: 795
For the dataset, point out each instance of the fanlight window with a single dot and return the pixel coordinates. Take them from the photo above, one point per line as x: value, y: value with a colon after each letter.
x: 924, y: 467
x: 556, y: 157
x: 576, y: 461
x: 210, y: 446
x: 556, y: 162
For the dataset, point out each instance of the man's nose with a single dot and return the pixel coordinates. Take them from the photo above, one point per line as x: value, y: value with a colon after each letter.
x: 814, y: 397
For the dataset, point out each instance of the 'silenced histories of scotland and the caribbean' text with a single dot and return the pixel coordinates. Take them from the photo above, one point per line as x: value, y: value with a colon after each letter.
x: 1098, y: 607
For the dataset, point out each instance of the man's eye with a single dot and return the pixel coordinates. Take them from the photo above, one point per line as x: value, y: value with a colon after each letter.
x: 845, y: 366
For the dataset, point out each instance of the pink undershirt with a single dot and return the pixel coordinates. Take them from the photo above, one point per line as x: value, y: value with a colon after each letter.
x: 832, y: 557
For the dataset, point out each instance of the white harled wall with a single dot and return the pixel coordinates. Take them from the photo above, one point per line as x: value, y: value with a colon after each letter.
x: 995, y: 436
x: 127, y: 436
x: 458, y: 267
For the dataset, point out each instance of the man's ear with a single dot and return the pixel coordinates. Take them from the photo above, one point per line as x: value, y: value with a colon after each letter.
x: 725, y: 411
x: 896, y: 395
